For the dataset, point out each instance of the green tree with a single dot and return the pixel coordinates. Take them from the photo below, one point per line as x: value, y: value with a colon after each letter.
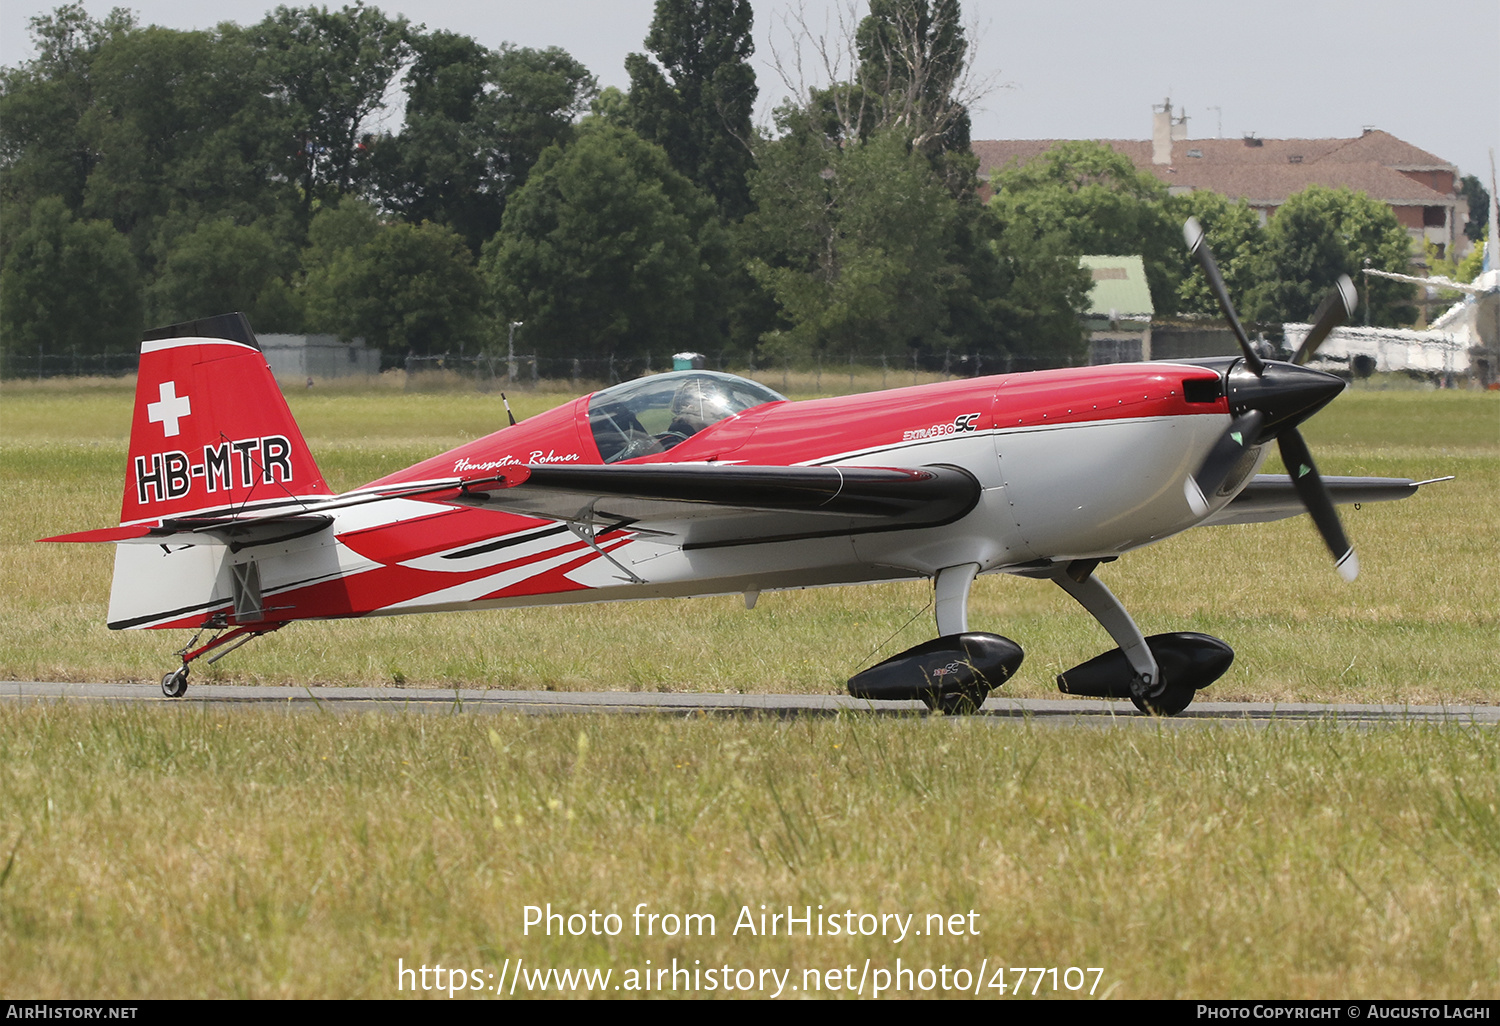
x: 1317, y: 235
x: 611, y: 106
x: 909, y: 75
x: 1478, y: 197
x: 1234, y: 234
x: 476, y: 122
x: 337, y: 231
x: 183, y: 131
x: 857, y: 245
x: 912, y: 56
x: 220, y: 267
x: 1469, y: 267
x: 67, y: 285
x: 402, y: 287
x: 697, y: 105
x: 1098, y: 200
x: 1466, y: 269
x: 1028, y: 291
x: 150, y: 128
x: 608, y: 250
x: 539, y: 94
x: 328, y: 73
x: 44, y: 150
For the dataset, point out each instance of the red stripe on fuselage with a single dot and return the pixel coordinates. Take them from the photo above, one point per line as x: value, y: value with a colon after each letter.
x: 370, y: 591
x: 824, y: 430
x: 451, y: 528
x: 385, y: 586
x: 555, y: 580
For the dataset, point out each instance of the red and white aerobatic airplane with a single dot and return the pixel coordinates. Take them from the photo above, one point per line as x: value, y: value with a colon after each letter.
x: 699, y: 483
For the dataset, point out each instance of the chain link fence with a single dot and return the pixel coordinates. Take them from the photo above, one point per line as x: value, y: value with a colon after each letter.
x: 36, y: 364
x: 488, y: 372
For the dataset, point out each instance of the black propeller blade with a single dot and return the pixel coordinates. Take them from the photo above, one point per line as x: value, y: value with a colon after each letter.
x: 1336, y: 308
x: 1222, y: 458
x: 1192, y: 233
x: 1272, y: 405
x: 1314, y: 495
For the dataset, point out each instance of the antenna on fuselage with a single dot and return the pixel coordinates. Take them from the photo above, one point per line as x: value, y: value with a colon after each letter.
x: 512, y: 416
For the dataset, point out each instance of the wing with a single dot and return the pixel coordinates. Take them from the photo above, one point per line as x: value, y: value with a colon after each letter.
x: 699, y: 504
x: 1473, y: 288
x: 1273, y: 496
x: 707, y: 505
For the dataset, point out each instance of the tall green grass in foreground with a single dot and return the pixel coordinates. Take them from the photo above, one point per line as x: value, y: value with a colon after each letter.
x: 1421, y: 624
x: 175, y: 852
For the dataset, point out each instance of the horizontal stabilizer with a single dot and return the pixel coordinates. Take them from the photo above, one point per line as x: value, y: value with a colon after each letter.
x: 236, y: 532
x: 240, y: 532
x: 104, y: 534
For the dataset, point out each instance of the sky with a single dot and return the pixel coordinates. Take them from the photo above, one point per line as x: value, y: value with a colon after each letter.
x: 1064, y: 69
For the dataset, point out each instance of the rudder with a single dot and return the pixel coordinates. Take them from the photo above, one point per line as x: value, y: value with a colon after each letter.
x: 211, y: 429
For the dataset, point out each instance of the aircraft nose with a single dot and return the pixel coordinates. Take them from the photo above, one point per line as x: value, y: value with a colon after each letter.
x: 1285, y: 394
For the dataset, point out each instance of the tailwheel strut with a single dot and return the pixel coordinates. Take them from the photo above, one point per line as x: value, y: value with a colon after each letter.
x: 174, y: 684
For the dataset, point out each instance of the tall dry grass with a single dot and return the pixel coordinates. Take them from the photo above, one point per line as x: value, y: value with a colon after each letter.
x: 175, y: 852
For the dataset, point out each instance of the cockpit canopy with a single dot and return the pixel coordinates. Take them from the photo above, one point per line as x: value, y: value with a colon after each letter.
x: 651, y: 415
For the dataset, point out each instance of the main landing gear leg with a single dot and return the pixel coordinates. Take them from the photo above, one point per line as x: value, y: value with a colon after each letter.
x: 1092, y: 594
x: 950, y: 590
x: 953, y: 673
x: 1160, y: 674
x: 174, y: 684
x: 950, y: 603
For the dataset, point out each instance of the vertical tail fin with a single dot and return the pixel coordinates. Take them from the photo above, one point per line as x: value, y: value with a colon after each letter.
x: 211, y: 428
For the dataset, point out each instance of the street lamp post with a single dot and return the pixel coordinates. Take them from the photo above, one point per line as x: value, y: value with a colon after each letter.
x: 1367, y: 291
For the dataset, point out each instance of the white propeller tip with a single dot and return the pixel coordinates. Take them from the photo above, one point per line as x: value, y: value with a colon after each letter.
x: 1348, y: 566
x: 1348, y: 295
x: 1194, y: 495
x: 1192, y: 233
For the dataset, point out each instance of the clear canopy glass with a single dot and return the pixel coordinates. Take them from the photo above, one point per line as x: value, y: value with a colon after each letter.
x: 653, y: 414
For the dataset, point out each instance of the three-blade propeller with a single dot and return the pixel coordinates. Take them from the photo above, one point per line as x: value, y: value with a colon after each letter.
x: 1268, y: 399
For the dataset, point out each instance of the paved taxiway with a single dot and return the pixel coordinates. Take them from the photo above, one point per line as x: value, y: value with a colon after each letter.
x: 997, y: 709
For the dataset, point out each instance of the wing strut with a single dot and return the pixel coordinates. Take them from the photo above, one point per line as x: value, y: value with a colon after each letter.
x: 586, y: 526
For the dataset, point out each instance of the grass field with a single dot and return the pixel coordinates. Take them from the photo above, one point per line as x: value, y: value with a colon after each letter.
x: 170, y: 852
x: 175, y: 851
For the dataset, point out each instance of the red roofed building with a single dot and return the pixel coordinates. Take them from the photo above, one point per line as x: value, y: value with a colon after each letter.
x: 1418, y: 186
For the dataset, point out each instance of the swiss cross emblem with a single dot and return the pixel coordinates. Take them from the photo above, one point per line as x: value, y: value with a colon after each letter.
x: 170, y: 409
